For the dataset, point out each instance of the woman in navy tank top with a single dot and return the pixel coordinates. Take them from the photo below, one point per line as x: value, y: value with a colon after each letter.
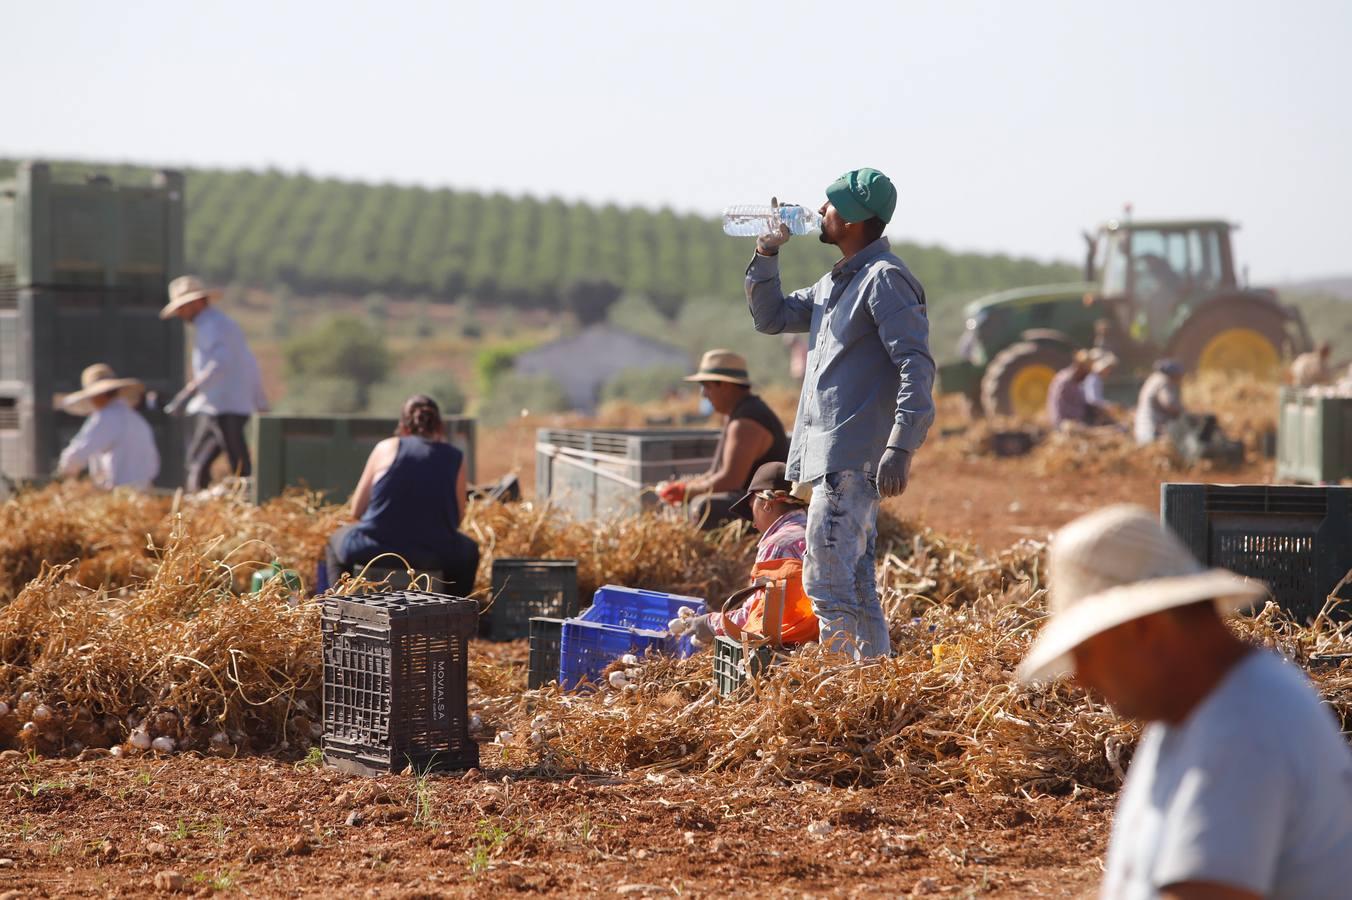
x: 409, y: 501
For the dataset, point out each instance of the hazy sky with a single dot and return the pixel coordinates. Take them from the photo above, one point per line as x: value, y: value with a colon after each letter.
x: 1007, y: 126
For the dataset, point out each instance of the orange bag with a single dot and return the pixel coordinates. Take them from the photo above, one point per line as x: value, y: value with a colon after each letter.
x: 781, y: 611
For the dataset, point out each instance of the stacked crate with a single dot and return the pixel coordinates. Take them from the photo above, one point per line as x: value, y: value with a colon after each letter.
x: 598, y: 473
x: 84, y: 272
x: 524, y: 589
x: 1314, y: 436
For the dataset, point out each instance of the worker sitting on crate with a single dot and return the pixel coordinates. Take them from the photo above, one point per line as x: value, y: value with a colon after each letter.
x: 409, y: 502
x: 115, y: 443
x: 1160, y: 402
x: 752, y: 437
x: 776, y: 607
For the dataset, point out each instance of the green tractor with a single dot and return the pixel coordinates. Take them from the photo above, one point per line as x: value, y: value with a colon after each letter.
x: 1151, y: 290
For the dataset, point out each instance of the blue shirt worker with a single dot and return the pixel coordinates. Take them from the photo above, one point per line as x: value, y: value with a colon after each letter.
x: 115, y: 443
x: 866, y: 403
x: 226, y: 386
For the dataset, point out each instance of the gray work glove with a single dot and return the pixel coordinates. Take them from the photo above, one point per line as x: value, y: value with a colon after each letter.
x: 894, y: 472
x: 769, y: 244
x: 702, y: 631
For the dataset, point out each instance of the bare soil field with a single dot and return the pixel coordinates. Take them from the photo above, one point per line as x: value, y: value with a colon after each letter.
x: 262, y: 827
x: 638, y: 820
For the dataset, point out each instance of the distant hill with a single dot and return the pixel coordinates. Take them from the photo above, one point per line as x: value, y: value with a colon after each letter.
x: 1338, y: 286
x: 326, y: 235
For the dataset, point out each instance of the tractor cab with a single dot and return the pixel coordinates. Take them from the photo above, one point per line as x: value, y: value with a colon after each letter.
x: 1149, y: 274
x: 1152, y: 289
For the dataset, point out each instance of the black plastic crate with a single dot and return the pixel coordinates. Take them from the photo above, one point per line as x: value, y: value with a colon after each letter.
x: 524, y: 589
x: 1295, y: 539
x: 546, y: 634
x: 730, y: 668
x: 396, y: 668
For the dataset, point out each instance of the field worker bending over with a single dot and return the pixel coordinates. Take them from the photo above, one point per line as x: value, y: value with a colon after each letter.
x: 752, y: 436
x: 115, y: 443
x: 1160, y: 402
x: 226, y: 387
x: 1066, y: 401
x: 1241, y: 785
x: 865, y: 407
x: 781, y: 518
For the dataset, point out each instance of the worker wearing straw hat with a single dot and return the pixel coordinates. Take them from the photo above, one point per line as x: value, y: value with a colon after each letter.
x: 866, y: 403
x: 226, y: 387
x: 752, y: 436
x: 114, y: 443
x: 1241, y: 785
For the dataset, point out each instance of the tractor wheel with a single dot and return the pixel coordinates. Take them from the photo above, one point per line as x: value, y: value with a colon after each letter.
x: 1246, y: 338
x: 1017, y: 380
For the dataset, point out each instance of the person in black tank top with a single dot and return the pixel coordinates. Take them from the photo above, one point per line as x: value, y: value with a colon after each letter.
x: 752, y: 437
x: 409, y: 502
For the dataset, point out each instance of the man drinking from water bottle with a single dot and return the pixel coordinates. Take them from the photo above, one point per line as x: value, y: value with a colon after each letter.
x: 866, y: 403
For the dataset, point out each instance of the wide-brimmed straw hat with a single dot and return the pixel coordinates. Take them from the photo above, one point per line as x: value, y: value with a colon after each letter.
x: 1116, y: 565
x: 101, y: 379
x: 722, y: 365
x: 184, y: 290
x: 1103, y: 360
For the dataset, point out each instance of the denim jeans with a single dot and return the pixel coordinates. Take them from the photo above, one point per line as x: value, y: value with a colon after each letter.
x: 839, y: 570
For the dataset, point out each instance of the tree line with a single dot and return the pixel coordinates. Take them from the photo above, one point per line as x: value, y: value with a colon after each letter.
x: 328, y: 235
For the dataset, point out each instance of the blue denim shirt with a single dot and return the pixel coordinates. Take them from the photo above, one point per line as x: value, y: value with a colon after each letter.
x: 869, y: 371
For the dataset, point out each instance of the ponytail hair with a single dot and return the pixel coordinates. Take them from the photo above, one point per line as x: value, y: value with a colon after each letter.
x: 420, y: 417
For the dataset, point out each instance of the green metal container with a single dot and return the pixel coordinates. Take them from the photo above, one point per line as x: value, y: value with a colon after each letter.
x: 1314, y: 437
x: 328, y: 453
x: 84, y: 271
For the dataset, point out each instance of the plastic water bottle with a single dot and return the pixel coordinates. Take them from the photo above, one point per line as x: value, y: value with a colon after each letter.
x: 753, y: 220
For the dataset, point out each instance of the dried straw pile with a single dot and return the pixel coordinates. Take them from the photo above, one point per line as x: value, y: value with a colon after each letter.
x: 106, y: 532
x: 944, y: 713
x: 659, y: 552
x: 1245, y: 407
x: 110, y: 535
x: 149, y: 631
x: 180, y: 656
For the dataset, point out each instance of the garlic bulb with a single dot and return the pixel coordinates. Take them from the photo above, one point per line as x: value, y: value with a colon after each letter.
x: 162, y: 744
x: 140, y: 739
x: 618, y: 680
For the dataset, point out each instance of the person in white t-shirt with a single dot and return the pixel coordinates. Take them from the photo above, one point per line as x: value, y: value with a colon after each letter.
x: 115, y: 444
x: 1241, y: 786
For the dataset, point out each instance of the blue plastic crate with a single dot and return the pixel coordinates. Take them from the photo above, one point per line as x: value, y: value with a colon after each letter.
x: 637, y: 608
x: 588, y: 647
